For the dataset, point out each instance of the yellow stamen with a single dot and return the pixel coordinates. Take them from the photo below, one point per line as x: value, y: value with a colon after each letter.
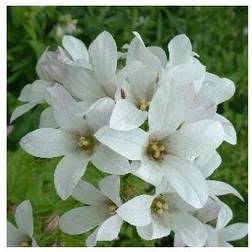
x: 159, y: 205
x: 156, y: 150
x: 87, y: 143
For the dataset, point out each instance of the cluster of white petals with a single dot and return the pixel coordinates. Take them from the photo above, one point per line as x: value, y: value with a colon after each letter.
x: 155, y: 118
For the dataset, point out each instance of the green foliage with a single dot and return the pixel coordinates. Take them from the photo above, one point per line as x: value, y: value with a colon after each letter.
x: 218, y: 35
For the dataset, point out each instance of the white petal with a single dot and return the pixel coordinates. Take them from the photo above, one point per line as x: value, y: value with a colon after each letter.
x: 126, y: 116
x: 185, y: 74
x: 48, y: 143
x: 198, y: 138
x: 148, y: 170
x: 14, y: 236
x: 81, y: 83
x: 209, y: 211
x: 88, y: 194
x: 229, y: 130
x: 208, y: 163
x: 165, y: 113
x: 34, y: 92
x: 75, y: 47
x: 143, y: 83
x: 98, y: 115
x: 201, y: 111
x: 159, y: 53
x: 178, y: 242
x: 187, y: 180
x: 24, y: 218
x: 91, y: 240
x: 109, y: 229
x: 234, y: 232
x: 65, y: 109
x: 110, y: 187
x: 219, y: 188
x: 212, y: 238
x: 25, y: 93
x: 137, y: 211
x: 216, y: 89
x: 47, y: 119
x: 103, y: 57
x: 82, y: 219
x: 138, y: 51
x: 224, y: 216
x: 191, y: 231
x: 20, y: 110
x: 109, y: 161
x: 180, y: 50
x: 40, y: 70
x: 129, y: 144
x: 68, y: 173
x: 157, y: 229
x: 127, y: 71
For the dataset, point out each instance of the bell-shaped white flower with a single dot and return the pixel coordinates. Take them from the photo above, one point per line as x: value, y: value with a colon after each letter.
x: 22, y: 236
x: 75, y: 140
x: 165, y: 149
x: 156, y: 216
x: 100, y: 212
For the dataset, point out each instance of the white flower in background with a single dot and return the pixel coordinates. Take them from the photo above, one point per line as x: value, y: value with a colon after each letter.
x: 220, y: 234
x: 207, y: 164
x: 164, y: 150
x: 102, y: 79
x: 66, y: 25
x: 156, y: 216
x: 100, y: 212
x: 75, y: 140
x: 50, y: 69
x: 22, y: 236
x: 209, y: 88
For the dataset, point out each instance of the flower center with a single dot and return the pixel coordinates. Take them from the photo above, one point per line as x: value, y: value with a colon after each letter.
x: 143, y: 105
x: 159, y: 205
x: 87, y: 143
x: 25, y: 244
x: 112, y: 207
x: 156, y: 149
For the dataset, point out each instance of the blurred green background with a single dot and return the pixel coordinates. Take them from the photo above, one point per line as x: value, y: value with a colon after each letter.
x: 218, y: 34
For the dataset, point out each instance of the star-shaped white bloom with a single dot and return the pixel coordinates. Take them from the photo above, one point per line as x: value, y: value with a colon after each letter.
x: 100, y: 212
x: 136, y: 93
x: 156, y: 216
x: 75, y: 140
x: 102, y: 78
x: 165, y: 149
x: 22, y: 236
x: 221, y: 234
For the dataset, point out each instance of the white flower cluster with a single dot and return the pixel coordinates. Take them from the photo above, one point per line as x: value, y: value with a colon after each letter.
x: 154, y: 118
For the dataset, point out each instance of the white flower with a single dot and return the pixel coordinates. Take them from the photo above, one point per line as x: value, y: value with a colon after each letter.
x: 101, y: 211
x: 182, y: 67
x: 75, y: 141
x: 50, y: 69
x: 207, y: 165
x: 163, y: 150
x: 22, y: 236
x: 135, y: 94
x: 156, y: 216
x: 101, y: 79
x: 221, y: 234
